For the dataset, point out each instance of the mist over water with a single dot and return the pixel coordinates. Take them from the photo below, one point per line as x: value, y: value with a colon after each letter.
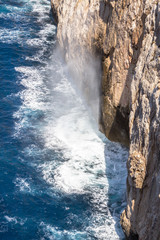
x: 61, y: 178
x: 85, y: 70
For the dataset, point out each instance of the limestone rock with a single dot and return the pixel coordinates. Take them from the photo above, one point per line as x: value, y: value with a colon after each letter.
x: 136, y: 170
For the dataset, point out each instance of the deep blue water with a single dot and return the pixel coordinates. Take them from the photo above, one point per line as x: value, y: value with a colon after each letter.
x: 59, y: 177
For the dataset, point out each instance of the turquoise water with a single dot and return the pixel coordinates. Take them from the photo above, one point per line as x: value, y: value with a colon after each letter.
x: 60, y: 178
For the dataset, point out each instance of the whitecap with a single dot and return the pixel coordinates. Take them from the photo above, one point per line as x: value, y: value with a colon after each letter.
x: 53, y: 233
x: 11, y: 36
x: 11, y: 219
x: 23, y: 185
x: 15, y: 220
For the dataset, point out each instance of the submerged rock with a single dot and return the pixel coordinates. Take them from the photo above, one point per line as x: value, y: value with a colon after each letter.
x: 125, y: 36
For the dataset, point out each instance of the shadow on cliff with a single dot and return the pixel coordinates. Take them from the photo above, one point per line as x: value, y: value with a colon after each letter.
x: 117, y: 118
x: 105, y: 11
x: 119, y: 128
x: 115, y: 159
x: 115, y: 154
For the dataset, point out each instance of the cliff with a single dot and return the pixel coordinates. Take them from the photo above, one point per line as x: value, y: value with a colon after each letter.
x: 124, y: 36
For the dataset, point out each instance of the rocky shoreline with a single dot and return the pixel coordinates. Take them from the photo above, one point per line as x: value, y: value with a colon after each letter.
x: 123, y: 37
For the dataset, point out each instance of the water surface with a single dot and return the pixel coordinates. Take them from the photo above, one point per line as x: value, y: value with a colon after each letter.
x: 60, y: 178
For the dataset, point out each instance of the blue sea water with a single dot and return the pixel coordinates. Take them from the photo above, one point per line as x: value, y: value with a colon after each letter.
x: 59, y: 177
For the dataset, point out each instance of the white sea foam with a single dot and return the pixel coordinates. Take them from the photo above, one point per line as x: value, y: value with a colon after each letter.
x: 21, y: 36
x: 15, y: 220
x: 42, y: 36
x: 23, y: 185
x: 12, y: 16
x: 68, y: 127
x: 11, y: 219
x: 10, y: 36
x: 53, y: 233
x: 100, y: 232
x: 35, y: 91
x: 86, y: 156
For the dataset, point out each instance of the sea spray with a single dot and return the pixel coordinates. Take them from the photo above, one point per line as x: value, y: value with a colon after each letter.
x: 84, y: 72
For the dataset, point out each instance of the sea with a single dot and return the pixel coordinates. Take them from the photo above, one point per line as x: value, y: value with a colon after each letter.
x: 60, y: 178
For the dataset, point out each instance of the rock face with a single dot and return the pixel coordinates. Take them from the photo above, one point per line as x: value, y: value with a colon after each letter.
x: 125, y: 35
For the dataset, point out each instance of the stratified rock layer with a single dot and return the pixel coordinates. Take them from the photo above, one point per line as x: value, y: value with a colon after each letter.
x: 125, y: 35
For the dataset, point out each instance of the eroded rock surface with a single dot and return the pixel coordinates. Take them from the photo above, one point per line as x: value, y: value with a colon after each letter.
x: 125, y: 35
